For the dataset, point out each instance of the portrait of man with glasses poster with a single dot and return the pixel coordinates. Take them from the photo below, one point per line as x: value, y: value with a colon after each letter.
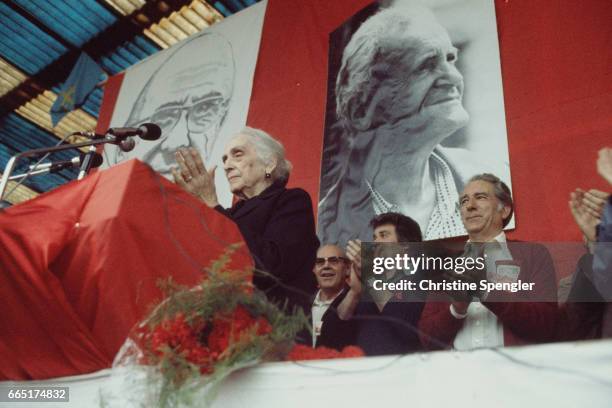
x: 196, y: 91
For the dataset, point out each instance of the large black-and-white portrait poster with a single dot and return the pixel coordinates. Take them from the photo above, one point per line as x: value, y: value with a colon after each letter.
x: 197, y: 91
x: 414, y: 109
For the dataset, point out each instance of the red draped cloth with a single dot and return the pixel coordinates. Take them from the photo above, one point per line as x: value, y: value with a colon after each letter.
x: 79, y: 266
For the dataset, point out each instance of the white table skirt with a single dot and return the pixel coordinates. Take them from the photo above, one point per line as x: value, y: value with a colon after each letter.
x: 560, y: 375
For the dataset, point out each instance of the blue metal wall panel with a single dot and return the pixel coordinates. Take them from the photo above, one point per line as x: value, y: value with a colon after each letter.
x: 22, y: 135
x: 18, y: 135
x: 125, y: 55
x: 147, y: 46
x: 75, y: 21
x: 25, y: 45
x: 222, y: 9
x: 234, y: 5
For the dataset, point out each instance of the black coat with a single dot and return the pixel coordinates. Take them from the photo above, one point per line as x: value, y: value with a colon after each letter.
x: 335, y: 332
x: 394, y: 330
x: 581, y: 317
x: 390, y: 331
x: 279, y: 230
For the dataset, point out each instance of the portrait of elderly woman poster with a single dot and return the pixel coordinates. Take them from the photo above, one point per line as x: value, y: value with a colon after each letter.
x: 276, y: 223
x: 403, y: 135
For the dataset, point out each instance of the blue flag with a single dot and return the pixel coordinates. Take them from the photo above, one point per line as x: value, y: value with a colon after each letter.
x: 82, y: 80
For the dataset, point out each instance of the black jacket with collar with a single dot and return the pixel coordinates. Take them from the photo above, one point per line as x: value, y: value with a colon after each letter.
x: 335, y: 332
x: 279, y: 230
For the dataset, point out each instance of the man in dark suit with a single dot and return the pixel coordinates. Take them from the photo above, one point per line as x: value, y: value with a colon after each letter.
x: 384, y: 325
x: 331, y: 270
x: 497, y: 318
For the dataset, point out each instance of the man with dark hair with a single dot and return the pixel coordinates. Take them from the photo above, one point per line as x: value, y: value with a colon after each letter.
x: 498, y: 318
x: 386, y: 321
x: 398, y: 226
x: 501, y: 191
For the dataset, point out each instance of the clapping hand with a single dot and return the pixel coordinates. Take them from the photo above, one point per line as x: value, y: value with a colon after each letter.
x: 594, y: 202
x: 353, y: 252
x: 193, y: 177
x: 604, y: 164
x: 469, y: 276
x: 587, y: 207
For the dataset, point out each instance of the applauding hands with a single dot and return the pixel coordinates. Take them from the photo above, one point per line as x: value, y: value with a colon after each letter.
x: 193, y: 176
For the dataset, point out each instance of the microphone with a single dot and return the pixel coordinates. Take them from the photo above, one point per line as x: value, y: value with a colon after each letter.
x: 127, y: 145
x: 146, y: 131
x: 54, y: 167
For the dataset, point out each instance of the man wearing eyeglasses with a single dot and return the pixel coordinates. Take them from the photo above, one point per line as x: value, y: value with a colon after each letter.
x: 188, y: 97
x: 331, y: 270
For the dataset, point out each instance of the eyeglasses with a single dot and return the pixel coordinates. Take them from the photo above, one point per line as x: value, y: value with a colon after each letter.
x: 333, y: 260
x: 200, y: 115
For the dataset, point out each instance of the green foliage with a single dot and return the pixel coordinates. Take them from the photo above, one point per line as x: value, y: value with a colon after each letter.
x: 221, y: 291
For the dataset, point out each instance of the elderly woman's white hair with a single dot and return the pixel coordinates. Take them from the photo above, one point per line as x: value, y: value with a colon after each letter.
x: 269, y: 149
x: 368, y: 59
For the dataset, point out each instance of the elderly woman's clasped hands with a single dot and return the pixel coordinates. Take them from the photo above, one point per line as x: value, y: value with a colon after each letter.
x: 193, y: 176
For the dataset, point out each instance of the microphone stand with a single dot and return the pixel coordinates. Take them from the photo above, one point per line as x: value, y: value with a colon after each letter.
x: 85, y: 166
x: 33, y: 172
x: 86, y: 162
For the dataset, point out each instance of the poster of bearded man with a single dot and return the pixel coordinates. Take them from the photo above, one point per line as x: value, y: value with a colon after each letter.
x: 196, y: 91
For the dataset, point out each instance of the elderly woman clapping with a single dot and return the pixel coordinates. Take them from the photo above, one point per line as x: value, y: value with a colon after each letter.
x: 276, y: 223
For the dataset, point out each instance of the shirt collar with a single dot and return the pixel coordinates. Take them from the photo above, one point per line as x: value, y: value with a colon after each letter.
x: 318, y: 302
x: 501, y: 238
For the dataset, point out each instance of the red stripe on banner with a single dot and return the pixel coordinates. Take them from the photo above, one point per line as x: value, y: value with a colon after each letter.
x: 111, y: 93
x: 289, y: 87
x: 557, y: 89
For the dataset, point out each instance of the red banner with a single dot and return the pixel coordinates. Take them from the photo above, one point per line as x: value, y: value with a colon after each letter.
x: 81, y: 265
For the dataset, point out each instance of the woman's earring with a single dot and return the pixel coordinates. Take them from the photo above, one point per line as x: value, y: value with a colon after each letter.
x: 268, y: 175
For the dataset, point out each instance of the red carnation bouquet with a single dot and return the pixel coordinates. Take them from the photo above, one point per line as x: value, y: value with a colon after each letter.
x: 197, y: 336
